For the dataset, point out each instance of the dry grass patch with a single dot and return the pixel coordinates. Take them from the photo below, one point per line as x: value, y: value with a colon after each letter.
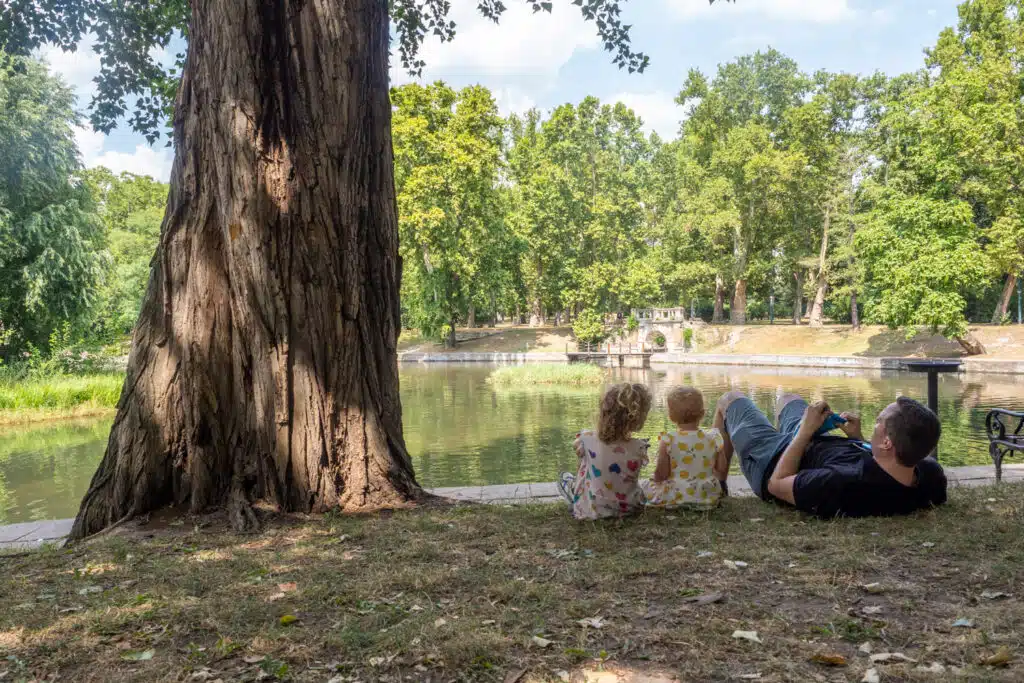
x: 484, y: 593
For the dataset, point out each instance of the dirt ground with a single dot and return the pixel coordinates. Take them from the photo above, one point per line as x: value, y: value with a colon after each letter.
x: 522, y: 594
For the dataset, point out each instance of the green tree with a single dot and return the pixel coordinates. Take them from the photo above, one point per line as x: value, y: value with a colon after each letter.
x: 52, y: 251
x: 447, y: 156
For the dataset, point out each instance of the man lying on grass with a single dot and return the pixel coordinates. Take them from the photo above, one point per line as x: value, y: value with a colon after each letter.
x: 832, y: 475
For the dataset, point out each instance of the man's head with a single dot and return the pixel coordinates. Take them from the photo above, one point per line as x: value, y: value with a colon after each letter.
x: 907, y: 431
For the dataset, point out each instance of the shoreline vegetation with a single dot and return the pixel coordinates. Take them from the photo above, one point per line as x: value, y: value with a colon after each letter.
x: 491, y: 593
x: 551, y: 374
x: 61, y: 397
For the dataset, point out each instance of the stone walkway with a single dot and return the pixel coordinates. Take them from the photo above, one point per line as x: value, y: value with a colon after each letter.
x: 38, y: 534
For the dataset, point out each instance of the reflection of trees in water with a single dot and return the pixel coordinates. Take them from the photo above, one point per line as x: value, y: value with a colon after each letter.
x: 44, y: 469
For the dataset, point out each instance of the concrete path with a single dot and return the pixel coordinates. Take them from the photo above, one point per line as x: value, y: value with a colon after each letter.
x: 38, y: 534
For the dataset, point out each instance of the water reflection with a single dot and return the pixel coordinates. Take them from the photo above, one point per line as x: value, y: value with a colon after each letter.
x: 460, y: 432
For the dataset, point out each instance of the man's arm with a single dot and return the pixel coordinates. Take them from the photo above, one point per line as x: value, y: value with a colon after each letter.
x: 852, y: 426
x: 781, y: 482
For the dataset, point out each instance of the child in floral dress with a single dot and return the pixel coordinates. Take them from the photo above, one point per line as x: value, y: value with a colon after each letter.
x: 691, y: 467
x: 606, y: 483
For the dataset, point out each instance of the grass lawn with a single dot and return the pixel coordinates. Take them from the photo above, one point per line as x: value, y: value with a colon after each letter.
x: 524, y: 594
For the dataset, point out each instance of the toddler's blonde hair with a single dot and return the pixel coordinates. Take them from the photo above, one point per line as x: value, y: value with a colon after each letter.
x: 685, y: 405
x: 624, y: 409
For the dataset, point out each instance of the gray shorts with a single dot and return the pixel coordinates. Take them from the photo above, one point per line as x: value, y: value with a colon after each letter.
x: 757, y: 443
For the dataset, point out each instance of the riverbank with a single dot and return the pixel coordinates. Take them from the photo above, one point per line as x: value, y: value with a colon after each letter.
x: 492, y: 593
x: 58, y: 398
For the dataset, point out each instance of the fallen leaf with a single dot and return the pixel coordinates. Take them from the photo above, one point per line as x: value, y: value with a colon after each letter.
x: 679, y: 547
x: 755, y: 520
x: 515, y: 675
x: 704, y: 553
x: 1002, y: 657
x: 377, y: 661
x: 886, y: 657
x: 871, y: 676
x: 439, y: 622
x: 750, y: 677
x: 933, y: 668
x: 343, y: 538
x: 995, y: 595
x: 540, y: 642
x: 488, y: 622
x: 415, y: 608
x: 287, y: 587
x: 865, y: 647
x: 253, y: 659
x: 288, y: 619
x: 746, y: 635
x: 276, y: 596
x: 90, y: 589
x: 592, y: 622
x: 735, y: 564
x: 963, y: 623
x: 830, y: 659
x: 873, y: 588
x: 705, y: 598
x: 66, y: 610
x: 927, y: 544
x: 138, y: 656
x: 872, y: 609
x: 562, y: 675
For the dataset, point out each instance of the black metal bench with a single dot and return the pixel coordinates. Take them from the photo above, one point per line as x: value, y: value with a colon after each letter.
x: 1005, y: 436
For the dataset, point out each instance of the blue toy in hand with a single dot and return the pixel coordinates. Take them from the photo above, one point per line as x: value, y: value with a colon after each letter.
x: 831, y: 422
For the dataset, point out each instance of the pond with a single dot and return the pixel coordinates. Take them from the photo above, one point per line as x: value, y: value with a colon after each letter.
x: 462, y: 432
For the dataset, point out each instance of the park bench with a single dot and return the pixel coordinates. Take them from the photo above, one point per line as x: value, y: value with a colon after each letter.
x: 1005, y: 436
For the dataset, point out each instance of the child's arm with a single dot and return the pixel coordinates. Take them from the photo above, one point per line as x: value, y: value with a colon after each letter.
x: 663, y: 470
x: 720, y: 467
x: 578, y: 446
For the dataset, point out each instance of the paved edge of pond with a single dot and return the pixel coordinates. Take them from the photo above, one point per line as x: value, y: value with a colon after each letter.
x: 970, y: 365
x: 28, y: 535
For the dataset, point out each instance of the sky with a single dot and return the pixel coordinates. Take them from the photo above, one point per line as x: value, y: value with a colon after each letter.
x: 543, y: 60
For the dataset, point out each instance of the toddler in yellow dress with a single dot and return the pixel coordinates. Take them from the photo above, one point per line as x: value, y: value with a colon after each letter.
x: 691, y: 466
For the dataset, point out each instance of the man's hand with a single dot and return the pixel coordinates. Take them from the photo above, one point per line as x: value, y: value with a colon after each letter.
x: 814, y: 418
x: 852, y: 428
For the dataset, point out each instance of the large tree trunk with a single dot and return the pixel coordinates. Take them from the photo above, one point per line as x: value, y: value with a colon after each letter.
x: 738, y: 311
x: 471, y: 316
x: 263, y: 365
x: 798, y: 296
x: 1004, y: 299
x: 817, y: 316
x: 719, y: 313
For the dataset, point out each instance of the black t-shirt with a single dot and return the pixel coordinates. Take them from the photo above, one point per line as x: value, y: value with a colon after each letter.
x: 839, y: 477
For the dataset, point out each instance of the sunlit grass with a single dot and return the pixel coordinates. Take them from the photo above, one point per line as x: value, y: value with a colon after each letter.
x: 29, y: 399
x: 575, y: 374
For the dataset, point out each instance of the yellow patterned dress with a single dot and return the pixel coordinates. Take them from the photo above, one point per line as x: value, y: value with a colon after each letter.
x: 691, y: 482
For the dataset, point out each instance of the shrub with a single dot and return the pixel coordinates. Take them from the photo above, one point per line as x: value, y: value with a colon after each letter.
x: 576, y: 374
x: 688, y: 337
x: 588, y: 327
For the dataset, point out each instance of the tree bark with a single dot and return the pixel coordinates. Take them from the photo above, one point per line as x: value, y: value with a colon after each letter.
x: 854, y: 314
x: 971, y: 344
x: 1004, y: 299
x: 798, y: 296
x: 821, y: 279
x: 263, y: 365
x: 471, y: 316
x: 738, y: 311
x: 718, y: 316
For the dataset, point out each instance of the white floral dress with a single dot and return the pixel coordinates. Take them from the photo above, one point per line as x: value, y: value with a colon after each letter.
x: 607, y: 480
x: 691, y: 481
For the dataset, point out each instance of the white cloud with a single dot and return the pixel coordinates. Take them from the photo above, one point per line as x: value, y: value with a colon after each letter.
x: 658, y: 110
x: 513, y: 101
x: 882, y: 16
x: 77, y: 68
x: 145, y: 160
x: 524, y: 43
x: 808, y: 11
x: 932, y: 13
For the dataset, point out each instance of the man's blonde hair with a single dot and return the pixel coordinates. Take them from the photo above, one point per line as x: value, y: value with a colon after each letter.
x: 685, y: 405
x: 624, y: 409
